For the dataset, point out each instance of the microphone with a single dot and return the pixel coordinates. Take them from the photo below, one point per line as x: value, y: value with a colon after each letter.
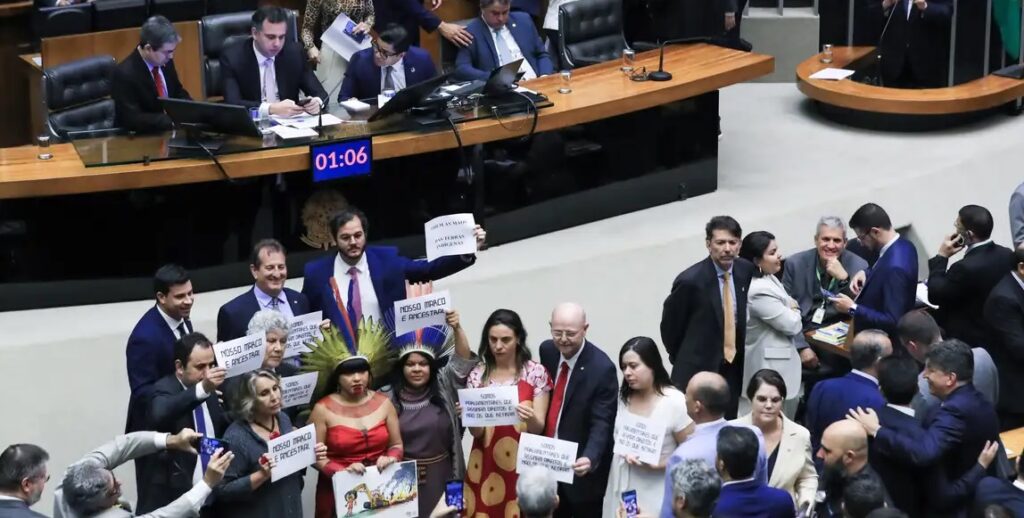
x: 661, y: 74
x: 881, y: 37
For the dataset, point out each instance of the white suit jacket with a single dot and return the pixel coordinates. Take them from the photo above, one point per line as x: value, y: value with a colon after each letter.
x: 772, y: 323
x: 794, y: 465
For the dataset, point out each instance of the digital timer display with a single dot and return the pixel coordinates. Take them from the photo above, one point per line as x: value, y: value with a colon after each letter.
x: 341, y: 159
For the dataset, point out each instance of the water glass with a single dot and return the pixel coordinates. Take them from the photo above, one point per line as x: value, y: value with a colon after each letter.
x: 44, y: 147
x: 566, y: 82
x: 628, y: 60
x: 826, y: 53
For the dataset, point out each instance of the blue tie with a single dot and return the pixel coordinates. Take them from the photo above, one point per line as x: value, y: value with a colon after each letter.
x: 200, y: 419
x: 504, y: 53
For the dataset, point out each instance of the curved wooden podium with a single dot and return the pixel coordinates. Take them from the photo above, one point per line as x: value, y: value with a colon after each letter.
x: 968, y: 98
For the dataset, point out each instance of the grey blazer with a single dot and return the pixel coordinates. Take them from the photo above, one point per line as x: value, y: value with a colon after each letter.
x: 773, y: 322
x: 801, y: 284
x: 111, y: 455
x: 1017, y: 215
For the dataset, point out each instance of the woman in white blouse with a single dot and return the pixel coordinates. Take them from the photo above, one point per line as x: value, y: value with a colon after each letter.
x: 646, y: 393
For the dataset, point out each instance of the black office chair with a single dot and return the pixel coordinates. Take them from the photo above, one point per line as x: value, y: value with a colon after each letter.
x: 119, y: 14
x: 77, y: 96
x: 449, y: 50
x: 230, y: 6
x: 590, y: 31
x: 219, y: 31
x: 178, y: 10
x: 50, y: 22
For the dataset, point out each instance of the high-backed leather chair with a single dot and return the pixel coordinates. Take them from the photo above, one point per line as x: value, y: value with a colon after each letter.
x: 589, y: 32
x: 61, y: 21
x: 449, y: 50
x: 230, y: 6
x: 119, y: 14
x: 220, y: 31
x: 77, y: 96
x: 178, y: 10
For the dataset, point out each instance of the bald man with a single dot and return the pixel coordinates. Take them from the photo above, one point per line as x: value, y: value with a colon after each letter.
x: 844, y: 455
x: 582, y: 408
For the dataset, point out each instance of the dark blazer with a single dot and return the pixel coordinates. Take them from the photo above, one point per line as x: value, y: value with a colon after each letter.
x: 1004, y: 313
x: 955, y: 434
x: 476, y: 61
x: 752, y: 498
x: 388, y: 272
x: 150, y: 356
x: 17, y: 509
x: 922, y: 40
x: 588, y: 414
x: 691, y: 320
x: 890, y: 290
x: 798, y: 276
x: 242, y: 74
x: 362, y: 78
x: 233, y: 317
x: 410, y: 14
x: 168, y: 474
x: 136, y: 105
x: 832, y: 399
x: 961, y: 291
x: 906, y: 483
x: 992, y: 490
x: 532, y: 7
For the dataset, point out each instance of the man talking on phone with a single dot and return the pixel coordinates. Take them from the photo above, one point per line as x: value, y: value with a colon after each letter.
x: 186, y: 399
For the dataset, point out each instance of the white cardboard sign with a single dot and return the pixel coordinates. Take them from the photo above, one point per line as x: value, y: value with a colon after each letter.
x: 639, y: 436
x: 554, y: 454
x: 418, y: 312
x: 292, y: 452
x: 303, y: 329
x: 241, y: 355
x: 298, y: 390
x: 489, y: 406
x: 450, y: 235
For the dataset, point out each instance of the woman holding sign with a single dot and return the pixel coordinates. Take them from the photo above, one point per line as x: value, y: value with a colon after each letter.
x: 274, y: 327
x: 490, y: 487
x: 247, y: 491
x: 647, y: 396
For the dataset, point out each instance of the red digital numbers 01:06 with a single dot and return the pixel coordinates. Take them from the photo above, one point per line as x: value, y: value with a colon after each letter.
x: 346, y: 158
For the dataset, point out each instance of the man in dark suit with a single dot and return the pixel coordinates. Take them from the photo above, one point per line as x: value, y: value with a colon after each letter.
x: 831, y: 399
x: 704, y: 318
x: 863, y: 494
x: 500, y: 37
x: 897, y: 378
x: 147, y: 75
x: 961, y: 291
x: 185, y: 399
x: 23, y: 476
x: 843, y: 455
x: 364, y: 282
x: 994, y: 490
x: 1004, y: 313
x: 390, y: 64
x: 956, y: 433
x: 412, y: 15
x: 270, y: 70
x: 889, y: 288
x: 269, y: 269
x: 582, y: 409
x: 742, y: 494
x: 915, y: 46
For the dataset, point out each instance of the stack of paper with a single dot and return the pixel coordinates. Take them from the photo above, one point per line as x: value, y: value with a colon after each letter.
x: 287, y: 132
x: 832, y: 74
x: 834, y: 334
x: 307, y: 121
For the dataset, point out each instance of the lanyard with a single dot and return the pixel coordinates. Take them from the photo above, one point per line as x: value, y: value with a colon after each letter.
x: 832, y: 284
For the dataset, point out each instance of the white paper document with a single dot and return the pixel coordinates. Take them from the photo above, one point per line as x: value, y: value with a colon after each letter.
x: 832, y: 74
x: 489, y: 406
x: 419, y: 312
x: 298, y: 390
x: 307, y: 121
x: 555, y: 454
x: 241, y: 355
x: 292, y: 452
x: 355, y: 105
x: 639, y: 436
x: 288, y: 132
x: 335, y: 37
x: 303, y: 329
x: 450, y: 235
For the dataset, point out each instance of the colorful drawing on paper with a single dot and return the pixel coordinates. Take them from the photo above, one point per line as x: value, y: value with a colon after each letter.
x: 391, y: 494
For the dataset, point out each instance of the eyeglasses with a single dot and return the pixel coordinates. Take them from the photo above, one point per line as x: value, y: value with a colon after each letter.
x: 637, y: 74
x: 383, y: 53
x: 569, y: 335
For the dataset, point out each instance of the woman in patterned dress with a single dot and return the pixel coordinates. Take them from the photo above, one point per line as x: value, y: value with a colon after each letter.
x: 319, y: 15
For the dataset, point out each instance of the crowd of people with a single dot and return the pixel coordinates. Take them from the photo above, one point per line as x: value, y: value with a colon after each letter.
x: 755, y: 421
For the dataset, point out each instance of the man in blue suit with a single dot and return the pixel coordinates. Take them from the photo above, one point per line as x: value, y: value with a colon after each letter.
x: 390, y: 64
x: 955, y: 435
x: 897, y: 378
x: 888, y: 289
x: 742, y: 493
x: 269, y: 269
x: 831, y: 399
x: 994, y: 490
x: 500, y: 37
x: 361, y: 282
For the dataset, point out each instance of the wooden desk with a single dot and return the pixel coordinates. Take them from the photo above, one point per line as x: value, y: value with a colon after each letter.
x: 841, y: 350
x: 1013, y: 440
x: 12, y: 9
x: 599, y: 92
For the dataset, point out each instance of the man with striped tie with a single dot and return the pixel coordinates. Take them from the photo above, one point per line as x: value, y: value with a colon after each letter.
x: 145, y: 76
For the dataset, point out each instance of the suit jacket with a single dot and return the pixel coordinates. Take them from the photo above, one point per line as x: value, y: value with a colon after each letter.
x: 233, y: 317
x: 588, y: 414
x: 920, y: 41
x: 136, y: 105
x: 890, y: 290
x: 476, y: 61
x: 242, y: 74
x: 691, y: 319
x: 150, y: 356
x: 111, y: 455
x: 388, y: 272
x: 411, y: 14
x: 168, y: 474
x: 794, y: 465
x: 832, y: 399
x: 531, y: 7
x: 955, y: 434
x: 1004, y: 312
x: 961, y: 291
x: 772, y: 326
x: 1017, y: 215
x: 906, y: 483
x: 801, y: 282
x: 362, y: 78
x: 17, y: 509
x: 985, y: 379
x: 750, y: 498
x: 992, y: 490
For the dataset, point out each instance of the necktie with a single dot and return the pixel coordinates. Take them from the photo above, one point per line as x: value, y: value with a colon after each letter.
x: 197, y: 414
x: 355, y: 302
x: 158, y: 80
x: 268, y: 76
x: 551, y: 423
x: 389, y: 80
x: 182, y: 330
x: 504, y: 54
x: 728, y: 320
x: 274, y: 302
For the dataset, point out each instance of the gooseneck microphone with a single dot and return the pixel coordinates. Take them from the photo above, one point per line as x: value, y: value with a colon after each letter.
x: 661, y: 74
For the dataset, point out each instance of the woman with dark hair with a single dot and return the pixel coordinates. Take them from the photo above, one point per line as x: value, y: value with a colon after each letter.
x: 773, y: 321
x: 646, y: 392
x: 790, y: 464
x: 490, y: 488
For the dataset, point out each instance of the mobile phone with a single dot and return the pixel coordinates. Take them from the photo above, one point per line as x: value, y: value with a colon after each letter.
x: 827, y: 294
x: 960, y: 239
x: 303, y: 102
x: 629, y: 502
x: 208, y: 445
x: 453, y: 494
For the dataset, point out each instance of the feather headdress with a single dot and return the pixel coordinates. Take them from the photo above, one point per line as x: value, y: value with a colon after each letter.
x: 436, y: 341
x: 330, y: 351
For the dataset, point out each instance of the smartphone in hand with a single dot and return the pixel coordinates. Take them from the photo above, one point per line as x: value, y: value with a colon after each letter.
x: 630, y: 504
x: 453, y: 494
x: 208, y: 445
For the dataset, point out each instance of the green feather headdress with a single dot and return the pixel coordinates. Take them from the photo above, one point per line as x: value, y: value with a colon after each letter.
x: 327, y: 353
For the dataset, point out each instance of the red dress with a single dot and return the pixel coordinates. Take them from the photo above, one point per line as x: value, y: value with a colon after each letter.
x: 347, y: 445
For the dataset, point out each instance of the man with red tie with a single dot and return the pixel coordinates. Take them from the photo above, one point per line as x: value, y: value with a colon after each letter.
x: 582, y: 408
x: 146, y: 75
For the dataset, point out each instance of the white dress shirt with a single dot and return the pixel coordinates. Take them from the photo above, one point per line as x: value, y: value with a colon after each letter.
x: 513, y: 47
x: 367, y: 295
x: 865, y: 375
x: 887, y: 246
x: 265, y: 301
x: 172, y: 323
x: 572, y: 365
x: 397, y: 75
x: 201, y: 394
x: 903, y: 409
x: 268, y: 81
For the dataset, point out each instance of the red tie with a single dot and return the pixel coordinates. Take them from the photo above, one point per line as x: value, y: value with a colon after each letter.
x: 161, y: 90
x: 551, y: 425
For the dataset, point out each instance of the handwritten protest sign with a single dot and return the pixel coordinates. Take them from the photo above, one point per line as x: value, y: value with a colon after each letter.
x: 450, y: 235
x: 490, y: 406
x: 639, y: 436
x: 298, y: 390
x: 428, y: 310
x: 292, y: 452
x: 240, y: 355
x: 554, y: 454
x: 303, y: 329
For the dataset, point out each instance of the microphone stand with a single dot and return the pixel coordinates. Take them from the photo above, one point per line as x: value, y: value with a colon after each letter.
x: 881, y: 37
x: 661, y: 74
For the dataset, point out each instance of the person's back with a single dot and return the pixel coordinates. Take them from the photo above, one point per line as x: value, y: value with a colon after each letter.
x: 742, y: 494
x: 898, y: 380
